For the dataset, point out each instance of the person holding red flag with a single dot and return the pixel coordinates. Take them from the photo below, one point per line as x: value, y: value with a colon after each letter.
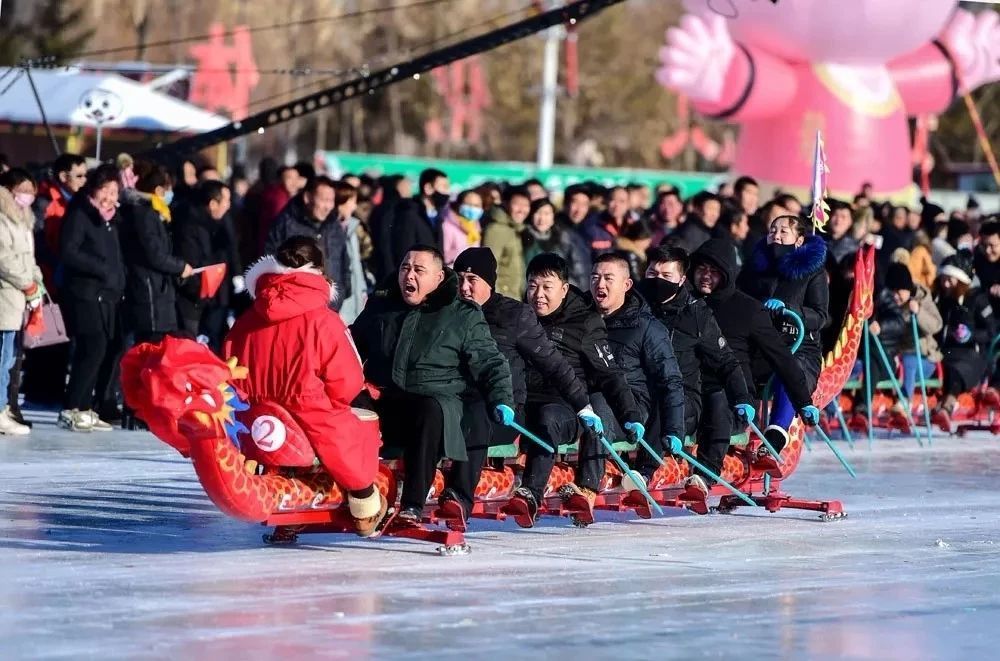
x: 300, y: 358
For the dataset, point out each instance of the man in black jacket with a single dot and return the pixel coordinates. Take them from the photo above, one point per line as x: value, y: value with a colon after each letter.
x: 308, y: 215
x: 643, y: 350
x: 701, y: 349
x: 746, y: 325
x: 201, y: 239
x: 415, y: 220
x: 522, y: 340
x: 581, y: 337
x: 698, y: 226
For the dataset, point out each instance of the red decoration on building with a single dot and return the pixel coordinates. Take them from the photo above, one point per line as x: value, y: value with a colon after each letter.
x: 226, y: 74
x: 463, y: 87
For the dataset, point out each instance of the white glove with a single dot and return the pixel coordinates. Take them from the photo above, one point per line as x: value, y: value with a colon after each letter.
x: 696, y: 57
x: 239, y: 284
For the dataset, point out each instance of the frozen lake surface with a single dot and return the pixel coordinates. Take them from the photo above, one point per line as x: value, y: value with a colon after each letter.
x: 110, y: 549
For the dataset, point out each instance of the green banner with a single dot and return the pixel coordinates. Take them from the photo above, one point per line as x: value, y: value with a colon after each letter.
x: 468, y: 174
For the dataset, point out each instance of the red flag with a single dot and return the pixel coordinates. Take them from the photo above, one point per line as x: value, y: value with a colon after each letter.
x: 211, y: 279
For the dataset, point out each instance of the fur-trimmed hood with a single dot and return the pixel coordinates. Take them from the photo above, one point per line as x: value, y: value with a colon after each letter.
x: 269, y: 265
x: 801, y: 263
x: 14, y: 211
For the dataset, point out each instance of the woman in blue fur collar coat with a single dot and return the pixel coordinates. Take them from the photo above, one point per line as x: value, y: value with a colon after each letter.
x: 786, y: 270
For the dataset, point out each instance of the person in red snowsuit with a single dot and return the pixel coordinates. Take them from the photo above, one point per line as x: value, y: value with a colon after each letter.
x: 300, y: 357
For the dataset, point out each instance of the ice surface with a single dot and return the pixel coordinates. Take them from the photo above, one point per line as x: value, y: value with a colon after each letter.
x: 110, y: 549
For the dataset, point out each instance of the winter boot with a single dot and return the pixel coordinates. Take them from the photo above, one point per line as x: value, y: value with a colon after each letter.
x: 452, y: 511
x: 411, y: 516
x: 523, y: 507
x: 634, y: 497
x: 75, y: 420
x: 579, y: 502
x: 11, y: 427
x: 942, y: 414
x: 368, y: 513
x: 762, y: 459
x: 695, y: 494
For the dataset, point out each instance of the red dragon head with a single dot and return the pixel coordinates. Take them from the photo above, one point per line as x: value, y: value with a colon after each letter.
x: 180, y: 389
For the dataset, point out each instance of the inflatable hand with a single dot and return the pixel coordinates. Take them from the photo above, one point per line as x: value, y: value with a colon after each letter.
x: 676, y: 445
x: 590, y: 419
x: 504, y: 414
x: 974, y: 41
x: 635, y: 430
x: 696, y: 57
x: 745, y: 412
x: 810, y: 415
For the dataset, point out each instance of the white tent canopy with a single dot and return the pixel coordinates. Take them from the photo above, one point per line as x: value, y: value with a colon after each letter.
x: 62, y: 92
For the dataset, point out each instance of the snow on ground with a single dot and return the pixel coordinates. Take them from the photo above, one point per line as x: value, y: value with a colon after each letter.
x: 110, y: 549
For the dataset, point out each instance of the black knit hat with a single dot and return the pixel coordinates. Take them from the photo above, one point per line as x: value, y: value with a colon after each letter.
x: 478, y: 261
x: 898, y: 277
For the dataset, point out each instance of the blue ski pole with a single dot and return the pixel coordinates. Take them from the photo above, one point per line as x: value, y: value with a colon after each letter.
x: 767, y: 444
x: 626, y: 470
x: 895, y: 384
x: 868, y: 385
x: 920, y: 375
x: 836, y: 452
x: 531, y: 437
x: 843, y: 422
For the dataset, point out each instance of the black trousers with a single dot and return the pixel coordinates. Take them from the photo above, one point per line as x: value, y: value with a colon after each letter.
x: 715, y: 428
x: 963, y: 370
x: 45, y: 374
x: 481, y: 432
x: 557, y: 424
x: 416, y: 424
x: 97, y: 350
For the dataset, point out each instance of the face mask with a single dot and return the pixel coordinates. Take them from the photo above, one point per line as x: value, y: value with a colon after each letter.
x: 965, y: 245
x: 778, y: 250
x: 439, y: 200
x: 470, y: 212
x: 24, y: 200
x: 168, y: 197
x: 658, y: 290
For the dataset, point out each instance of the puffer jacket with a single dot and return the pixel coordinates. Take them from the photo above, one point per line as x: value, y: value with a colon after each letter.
x: 18, y: 269
x: 896, y: 331
x: 503, y: 236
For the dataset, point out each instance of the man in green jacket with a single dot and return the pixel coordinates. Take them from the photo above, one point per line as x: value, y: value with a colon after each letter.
x: 422, y: 346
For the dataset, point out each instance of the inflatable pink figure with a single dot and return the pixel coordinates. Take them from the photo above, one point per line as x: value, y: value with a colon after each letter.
x: 856, y: 69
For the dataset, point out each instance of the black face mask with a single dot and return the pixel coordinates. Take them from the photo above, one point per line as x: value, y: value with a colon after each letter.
x: 658, y: 290
x: 440, y: 200
x: 778, y: 250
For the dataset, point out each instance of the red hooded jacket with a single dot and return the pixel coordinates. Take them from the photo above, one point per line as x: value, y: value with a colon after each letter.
x: 301, y: 357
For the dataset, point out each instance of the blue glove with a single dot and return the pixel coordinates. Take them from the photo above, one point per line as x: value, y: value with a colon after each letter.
x: 504, y: 414
x: 590, y: 419
x: 635, y: 431
x: 774, y: 305
x: 676, y: 445
x: 745, y: 412
x: 810, y: 415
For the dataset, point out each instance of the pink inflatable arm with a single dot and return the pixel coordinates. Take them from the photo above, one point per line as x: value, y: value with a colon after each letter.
x: 926, y: 79
x: 758, y: 85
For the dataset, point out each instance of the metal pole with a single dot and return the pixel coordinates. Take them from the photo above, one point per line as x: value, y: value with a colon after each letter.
x: 550, y: 90
x: 41, y: 110
x: 98, y: 154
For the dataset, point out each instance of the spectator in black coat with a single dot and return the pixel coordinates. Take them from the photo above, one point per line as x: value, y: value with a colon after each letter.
x: 746, y: 323
x: 701, y: 349
x: 522, y: 341
x: 150, y: 307
x: 414, y: 221
x: 94, y: 282
x: 201, y: 239
x: 311, y: 215
x: 697, y: 227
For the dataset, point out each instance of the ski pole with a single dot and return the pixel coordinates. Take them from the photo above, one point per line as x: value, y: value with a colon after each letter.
x: 531, y: 437
x: 836, y: 452
x: 920, y: 375
x: 770, y: 448
x: 799, y: 325
x: 626, y: 470
x: 868, y: 385
x: 895, y: 384
x: 843, y: 422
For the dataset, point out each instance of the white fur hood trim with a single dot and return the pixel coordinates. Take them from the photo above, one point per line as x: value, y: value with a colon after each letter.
x: 270, y: 264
